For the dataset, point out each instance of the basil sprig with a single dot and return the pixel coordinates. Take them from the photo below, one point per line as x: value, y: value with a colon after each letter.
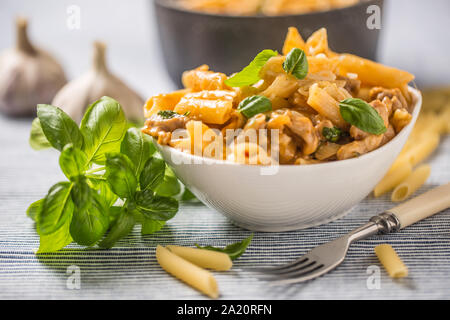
x: 362, y: 115
x: 253, y: 105
x: 234, y: 250
x: 82, y: 209
x: 250, y: 74
x: 296, y: 63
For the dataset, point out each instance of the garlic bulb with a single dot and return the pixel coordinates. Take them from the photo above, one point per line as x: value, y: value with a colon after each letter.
x: 28, y: 76
x: 75, y: 97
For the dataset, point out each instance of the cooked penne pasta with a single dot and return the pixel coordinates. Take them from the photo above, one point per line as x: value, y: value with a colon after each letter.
x: 196, y: 277
x: 266, y: 7
x: 288, y: 98
x: 293, y: 40
x: 391, y: 261
x: 203, y: 258
x: 411, y: 184
x: 398, y: 173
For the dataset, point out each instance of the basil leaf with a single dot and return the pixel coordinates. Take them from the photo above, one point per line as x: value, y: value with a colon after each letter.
x: 56, y: 240
x: 72, y: 161
x: 332, y: 134
x: 103, y: 127
x: 57, y: 208
x: 137, y: 147
x: 152, y: 174
x: 250, y: 74
x: 34, y: 209
x: 156, y: 207
x: 106, y: 196
x: 90, y: 221
x: 120, y: 175
x: 254, y: 105
x: 58, y: 127
x: 170, y: 186
x: 188, y: 195
x: 151, y: 226
x: 37, y: 140
x: 296, y: 63
x: 234, y: 250
x: 122, y: 227
x: 362, y: 115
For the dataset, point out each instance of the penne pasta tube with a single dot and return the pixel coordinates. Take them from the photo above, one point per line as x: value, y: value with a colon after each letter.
x: 203, y: 258
x: 196, y: 277
x: 398, y: 172
x: 391, y: 261
x: 415, y: 180
x: 422, y: 149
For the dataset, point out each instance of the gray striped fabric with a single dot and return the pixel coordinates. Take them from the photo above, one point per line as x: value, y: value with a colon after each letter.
x: 130, y: 271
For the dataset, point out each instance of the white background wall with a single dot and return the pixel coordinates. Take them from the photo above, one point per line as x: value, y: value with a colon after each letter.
x: 415, y: 37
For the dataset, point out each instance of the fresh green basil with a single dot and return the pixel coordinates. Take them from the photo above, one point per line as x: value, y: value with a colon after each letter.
x: 188, y: 195
x: 106, y: 196
x: 250, y: 74
x: 34, y: 209
x: 170, y: 186
x: 58, y: 127
x: 254, y: 105
x: 152, y: 174
x: 120, y: 175
x: 151, y: 226
x: 72, y: 161
x: 122, y: 227
x: 234, y: 250
x: 332, y: 134
x: 38, y: 140
x: 57, y: 209
x: 55, y: 240
x: 83, y: 208
x: 103, y: 128
x: 138, y: 147
x: 362, y: 115
x: 296, y: 63
x: 89, y: 222
x: 156, y: 207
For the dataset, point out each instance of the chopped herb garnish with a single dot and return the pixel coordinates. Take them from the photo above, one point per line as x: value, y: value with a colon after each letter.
x: 332, y: 134
x: 167, y: 114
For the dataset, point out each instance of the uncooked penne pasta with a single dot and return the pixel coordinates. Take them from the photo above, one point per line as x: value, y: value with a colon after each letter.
x: 196, y: 277
x: 391, y: 261
x: 398, y: 172
x: 423, y: 148
x: 203, y: 258
x: 415, y: 180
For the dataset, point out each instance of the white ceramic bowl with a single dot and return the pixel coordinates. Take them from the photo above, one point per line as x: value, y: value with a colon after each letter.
x: 295, y: 197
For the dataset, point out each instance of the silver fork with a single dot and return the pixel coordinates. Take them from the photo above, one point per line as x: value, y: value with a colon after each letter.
x: 328, y: 256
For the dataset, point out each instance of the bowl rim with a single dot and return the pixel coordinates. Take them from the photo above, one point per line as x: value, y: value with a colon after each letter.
x: 169, y: 4
x: 194, y: 159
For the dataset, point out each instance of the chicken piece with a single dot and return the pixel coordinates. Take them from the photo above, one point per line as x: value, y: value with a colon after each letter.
x: 162, y: 127
x: 396, y: 96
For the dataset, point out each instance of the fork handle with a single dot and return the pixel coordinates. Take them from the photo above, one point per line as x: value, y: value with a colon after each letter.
x: 423, y: 206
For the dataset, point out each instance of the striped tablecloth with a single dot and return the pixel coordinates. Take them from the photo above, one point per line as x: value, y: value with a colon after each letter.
x: 130, y: 270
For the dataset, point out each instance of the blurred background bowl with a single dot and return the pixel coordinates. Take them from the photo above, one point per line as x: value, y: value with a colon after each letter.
x: 228, y: 43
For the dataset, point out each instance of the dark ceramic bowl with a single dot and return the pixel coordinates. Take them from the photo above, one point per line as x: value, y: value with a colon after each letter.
x: 228, y: 43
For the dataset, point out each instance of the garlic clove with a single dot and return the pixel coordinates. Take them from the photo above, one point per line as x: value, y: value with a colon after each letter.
x: 74, y: 98
x: 28, y: 76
